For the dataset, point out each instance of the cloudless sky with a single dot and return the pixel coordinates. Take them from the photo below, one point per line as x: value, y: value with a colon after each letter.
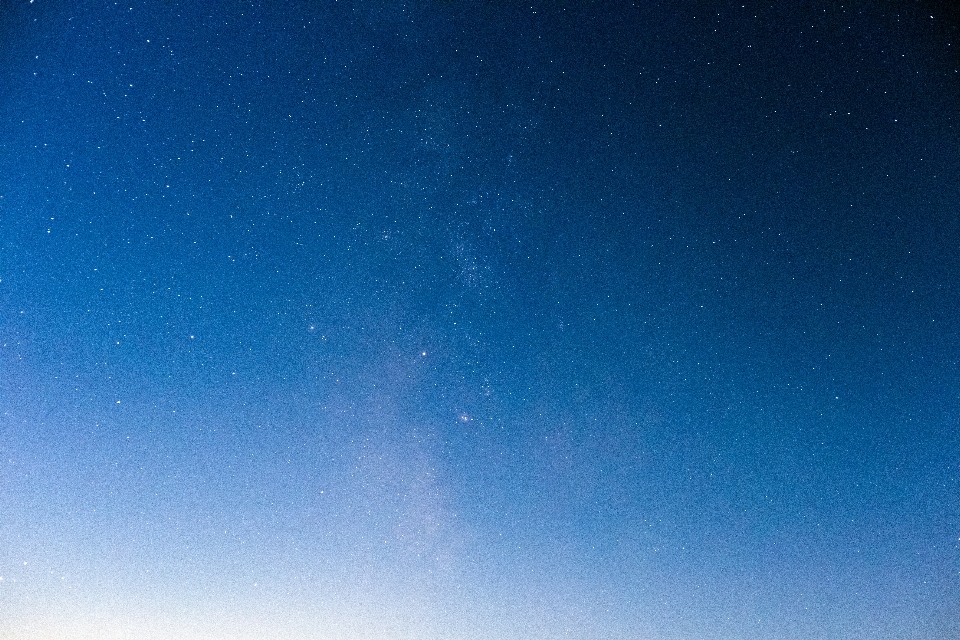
x: 450, y: 320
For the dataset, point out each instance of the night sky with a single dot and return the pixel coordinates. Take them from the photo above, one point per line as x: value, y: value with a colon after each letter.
x: 489, y: 320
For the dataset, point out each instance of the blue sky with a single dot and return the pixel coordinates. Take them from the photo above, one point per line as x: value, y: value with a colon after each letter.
x: 386, y: 320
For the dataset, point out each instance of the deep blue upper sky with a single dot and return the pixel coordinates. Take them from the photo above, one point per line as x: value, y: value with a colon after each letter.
x: 479, y: 320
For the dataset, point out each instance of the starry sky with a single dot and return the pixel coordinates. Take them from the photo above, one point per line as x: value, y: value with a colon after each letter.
x: 469, y: 320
